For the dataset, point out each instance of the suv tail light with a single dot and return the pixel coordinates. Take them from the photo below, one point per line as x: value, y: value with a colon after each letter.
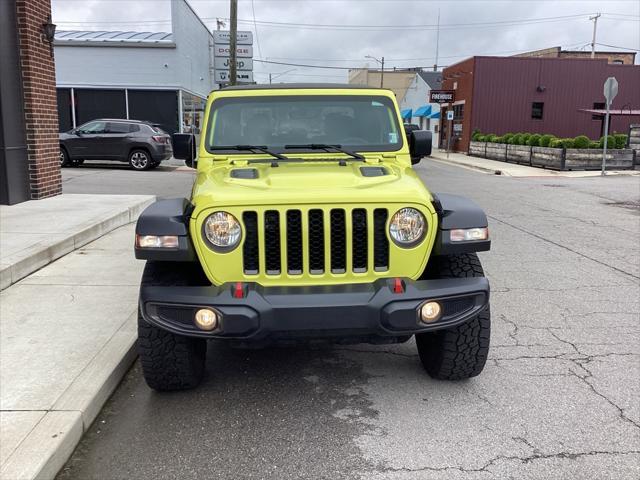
x: 160, y: 139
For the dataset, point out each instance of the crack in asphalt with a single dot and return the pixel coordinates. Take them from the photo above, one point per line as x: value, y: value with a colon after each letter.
x: 500, y: 458
x: 540, y: 237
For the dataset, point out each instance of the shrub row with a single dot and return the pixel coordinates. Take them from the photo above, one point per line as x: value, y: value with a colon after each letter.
x: 617, y: 140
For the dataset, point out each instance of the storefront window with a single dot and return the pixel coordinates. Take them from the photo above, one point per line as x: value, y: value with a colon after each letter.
x: 192, y: 113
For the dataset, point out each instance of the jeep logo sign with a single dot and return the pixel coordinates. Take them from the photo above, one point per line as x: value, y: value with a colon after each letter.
x: 442, y: 96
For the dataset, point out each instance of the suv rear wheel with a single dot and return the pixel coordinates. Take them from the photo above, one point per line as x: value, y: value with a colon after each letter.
x: 459, y: 352
x: 169, y: 361
x: 140, y: 159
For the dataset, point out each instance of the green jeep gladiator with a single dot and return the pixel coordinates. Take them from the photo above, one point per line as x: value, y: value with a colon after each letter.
x: 307, y: 222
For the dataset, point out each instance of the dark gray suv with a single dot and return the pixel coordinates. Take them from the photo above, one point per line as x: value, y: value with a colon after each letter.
x: 141, y: 144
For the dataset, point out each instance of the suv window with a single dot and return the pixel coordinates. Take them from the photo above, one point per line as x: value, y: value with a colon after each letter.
x: 92, y: 127
x: 359, y: 122
x: 118, y: 127
x: 134, y: 127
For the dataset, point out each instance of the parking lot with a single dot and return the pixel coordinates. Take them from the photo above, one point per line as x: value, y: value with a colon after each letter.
x: 557, y: 399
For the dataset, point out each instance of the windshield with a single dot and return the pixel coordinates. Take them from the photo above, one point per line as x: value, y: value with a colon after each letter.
x: 362, y: 123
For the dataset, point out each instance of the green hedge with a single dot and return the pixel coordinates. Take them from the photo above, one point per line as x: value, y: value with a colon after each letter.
x: 617, y: 140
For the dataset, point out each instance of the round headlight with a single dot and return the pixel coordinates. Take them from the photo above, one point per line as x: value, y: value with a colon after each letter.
x: 222, y: 230
x: 407, y: 227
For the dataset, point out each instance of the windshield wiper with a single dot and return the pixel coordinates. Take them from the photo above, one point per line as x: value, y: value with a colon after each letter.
x: 251, y: 148
x: 326, y: 147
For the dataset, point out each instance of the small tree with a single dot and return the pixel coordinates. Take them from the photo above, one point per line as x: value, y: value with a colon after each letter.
x: 611, y: 142
x: 507, y: 137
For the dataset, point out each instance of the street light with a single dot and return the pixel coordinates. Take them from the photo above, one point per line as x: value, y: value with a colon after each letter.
x: 381, y: 62
x: 273, y: 77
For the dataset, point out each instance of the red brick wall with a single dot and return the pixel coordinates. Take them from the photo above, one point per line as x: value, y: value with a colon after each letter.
x: 460, y: 78
x: 40, y: 104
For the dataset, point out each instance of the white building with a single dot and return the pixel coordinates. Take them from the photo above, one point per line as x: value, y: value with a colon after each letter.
x: 156, y: 76
x: 415, y: 106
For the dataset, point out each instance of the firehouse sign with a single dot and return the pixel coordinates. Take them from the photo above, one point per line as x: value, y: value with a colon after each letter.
x: 442, y: 96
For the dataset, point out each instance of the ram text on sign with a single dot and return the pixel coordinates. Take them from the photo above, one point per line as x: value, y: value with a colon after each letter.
x: 224, y: 63
x: 223, y: 37
x: 222, y: 76
x: 243, y: 51
x: 442, y: 96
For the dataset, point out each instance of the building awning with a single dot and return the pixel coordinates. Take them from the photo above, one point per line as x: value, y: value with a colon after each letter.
x: 406, y: 113
x: 603, y: 112
x: 423, y: 111
x: 435, y: 115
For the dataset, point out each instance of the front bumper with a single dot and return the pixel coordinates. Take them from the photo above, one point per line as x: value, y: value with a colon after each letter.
x: 354, y: 310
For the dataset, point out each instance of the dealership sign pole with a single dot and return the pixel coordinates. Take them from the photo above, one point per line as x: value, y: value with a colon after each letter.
x: 223, y: 61
x: 610, y: 92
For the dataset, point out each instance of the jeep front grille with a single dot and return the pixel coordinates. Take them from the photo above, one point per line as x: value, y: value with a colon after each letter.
x: 317, y: 241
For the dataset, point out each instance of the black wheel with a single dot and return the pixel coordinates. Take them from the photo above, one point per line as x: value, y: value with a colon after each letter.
x: 64, y: 157
x: 170, y: 361
x: 140, y: 159
x: 459, y: 352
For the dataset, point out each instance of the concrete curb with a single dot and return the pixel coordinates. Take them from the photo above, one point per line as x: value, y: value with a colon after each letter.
x: 43, y: 255
x: 470, y: 166
x: 49, y: 445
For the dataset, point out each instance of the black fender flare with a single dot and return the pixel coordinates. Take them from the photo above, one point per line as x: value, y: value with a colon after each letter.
x: 455, y: 211
x: 167, y: 217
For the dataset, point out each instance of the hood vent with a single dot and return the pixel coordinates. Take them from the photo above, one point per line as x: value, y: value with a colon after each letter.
x: 373, y: 171
x: 246, y: 173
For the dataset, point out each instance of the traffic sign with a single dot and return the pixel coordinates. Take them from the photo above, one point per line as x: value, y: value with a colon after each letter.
x: 223, y: 37
x: 242, y: 51
x: 222, y: 76
x: 223, y: 63
x: 449, y: 114
x: 610, y: 89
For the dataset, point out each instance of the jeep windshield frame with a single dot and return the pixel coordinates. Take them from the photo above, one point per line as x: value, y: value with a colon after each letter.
x: 357, y: 123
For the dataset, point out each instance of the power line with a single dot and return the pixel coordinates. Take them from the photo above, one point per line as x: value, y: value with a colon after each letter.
x: 615, y: 46
x: 253, y: 11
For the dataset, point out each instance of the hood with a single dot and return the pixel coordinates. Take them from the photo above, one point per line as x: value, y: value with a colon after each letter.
x: 312, y: 182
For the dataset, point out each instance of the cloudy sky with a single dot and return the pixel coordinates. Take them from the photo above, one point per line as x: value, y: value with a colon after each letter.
x: 340, y: 33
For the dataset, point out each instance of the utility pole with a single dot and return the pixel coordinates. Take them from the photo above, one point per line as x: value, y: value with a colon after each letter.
x: 269, y: 79
x: 593, y: 40
x: 382, y: 73
x: 435, y: 65
x: 233, y: 41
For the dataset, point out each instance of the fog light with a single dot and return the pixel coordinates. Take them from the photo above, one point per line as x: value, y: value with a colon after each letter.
x: 206, y: 319
x: 155, y: 241
x: 430, y: 312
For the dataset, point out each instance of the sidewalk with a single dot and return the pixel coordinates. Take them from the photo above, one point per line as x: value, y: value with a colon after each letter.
x: 67, y: 327
x: 68, y: 337
x: 35, y: 233
x: 513, y: 169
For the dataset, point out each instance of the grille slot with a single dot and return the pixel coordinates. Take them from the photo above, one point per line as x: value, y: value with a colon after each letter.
x: 380, y: 240
x: 316, y: 241
x: 338, y: 241
x: 250, y: 248
x: 359, y: 242
x: 294, y: 242
x: 272, y: 241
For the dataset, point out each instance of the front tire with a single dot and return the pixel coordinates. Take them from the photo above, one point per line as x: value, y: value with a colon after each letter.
x: 169, y: 361
x: 64, y: 157
x: 460, y: 352
x: 140, y: 159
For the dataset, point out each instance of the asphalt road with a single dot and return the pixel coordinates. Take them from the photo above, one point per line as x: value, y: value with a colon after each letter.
x: 559, y: 397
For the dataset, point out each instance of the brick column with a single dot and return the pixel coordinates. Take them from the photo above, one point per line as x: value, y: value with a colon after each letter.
x: 40, y: 103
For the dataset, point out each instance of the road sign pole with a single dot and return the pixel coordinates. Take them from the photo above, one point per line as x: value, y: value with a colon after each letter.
x: 610, y: 92
x: 606, y: 137
x: 233, y: 44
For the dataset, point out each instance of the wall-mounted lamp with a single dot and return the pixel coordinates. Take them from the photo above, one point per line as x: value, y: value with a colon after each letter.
x: 49, y: 30
x: 541, y: 88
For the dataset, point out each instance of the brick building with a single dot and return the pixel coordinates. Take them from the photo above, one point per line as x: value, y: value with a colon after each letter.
x: 536, y: 95
x: 29, y: 146
x: 616, y: 58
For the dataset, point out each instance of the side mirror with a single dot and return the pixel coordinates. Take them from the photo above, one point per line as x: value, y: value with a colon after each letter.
x: 410, y: 127
x: 419, y: 145
x: 184, y: 148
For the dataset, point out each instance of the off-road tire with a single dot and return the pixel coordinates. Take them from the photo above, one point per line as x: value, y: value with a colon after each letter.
x: 169, y: 361
x: 460, y: 352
